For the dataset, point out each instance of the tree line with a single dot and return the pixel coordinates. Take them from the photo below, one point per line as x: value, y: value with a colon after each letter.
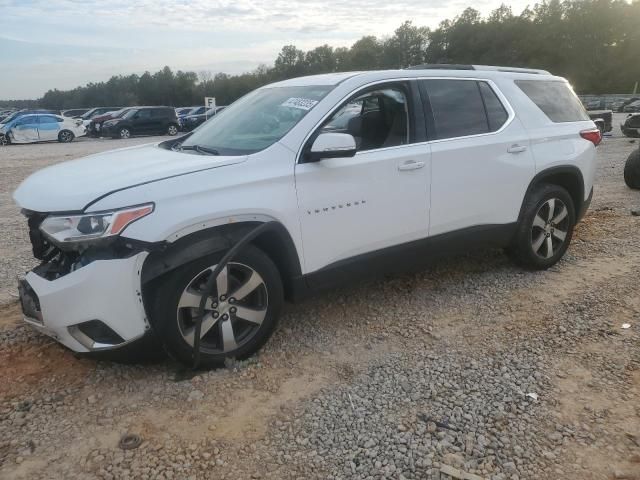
x: 593, y: 43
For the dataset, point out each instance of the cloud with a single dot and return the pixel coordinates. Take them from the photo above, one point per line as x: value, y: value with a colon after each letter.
x: 69, y: 41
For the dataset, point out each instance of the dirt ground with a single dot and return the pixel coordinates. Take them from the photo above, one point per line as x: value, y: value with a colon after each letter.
x: 565, y: 324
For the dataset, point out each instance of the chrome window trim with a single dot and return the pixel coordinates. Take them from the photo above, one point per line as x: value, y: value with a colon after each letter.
x: 505, y: 103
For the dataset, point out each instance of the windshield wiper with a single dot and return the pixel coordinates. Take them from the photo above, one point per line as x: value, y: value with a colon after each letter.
x: 200, y: 149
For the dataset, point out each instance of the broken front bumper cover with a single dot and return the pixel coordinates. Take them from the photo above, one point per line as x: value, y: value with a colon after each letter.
x: 106, y: 293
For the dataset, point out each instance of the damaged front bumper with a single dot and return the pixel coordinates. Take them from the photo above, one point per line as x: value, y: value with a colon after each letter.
x: 97, y: 307
x: 88, y: 299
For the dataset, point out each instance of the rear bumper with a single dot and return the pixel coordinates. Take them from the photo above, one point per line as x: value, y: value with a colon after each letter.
x: 106, y: 290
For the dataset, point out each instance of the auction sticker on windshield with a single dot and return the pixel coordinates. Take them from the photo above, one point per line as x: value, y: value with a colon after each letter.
x: 301, y: 103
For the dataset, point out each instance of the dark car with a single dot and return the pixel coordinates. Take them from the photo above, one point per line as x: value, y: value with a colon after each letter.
x: 190, y: 122
x: 94, y: 112
x: 602, y: 118
x: 142, y: 121
x: 632, y: 107
x: 95, y: 124
x: 631, y: 126
x: 74, y: 112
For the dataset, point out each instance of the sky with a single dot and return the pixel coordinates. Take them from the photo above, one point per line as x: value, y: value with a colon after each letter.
x: 46, y: 44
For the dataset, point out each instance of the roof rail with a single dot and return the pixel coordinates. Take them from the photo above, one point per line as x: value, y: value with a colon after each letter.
x: 454, y: 66
x: 441, y: 66
x: 535, y: 71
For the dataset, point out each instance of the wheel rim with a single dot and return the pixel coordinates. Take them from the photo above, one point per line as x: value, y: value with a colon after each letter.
x: 172, y: 130
x: 124, y: 133
x: 550, y: 228
x: 66, y: 136
x: 232, y: 317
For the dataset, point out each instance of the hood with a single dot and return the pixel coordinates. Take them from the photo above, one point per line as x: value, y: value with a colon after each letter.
x: 71, y: 186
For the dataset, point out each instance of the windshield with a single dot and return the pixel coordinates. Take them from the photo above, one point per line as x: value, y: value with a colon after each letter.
x: 258, y: 120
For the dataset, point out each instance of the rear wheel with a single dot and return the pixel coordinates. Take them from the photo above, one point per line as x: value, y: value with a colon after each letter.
x: 239, y: 315
x: 124, y: 133
x: 65, y: 136
x: 172, y: 130
x: 545, y: 229
x: 632, y: 170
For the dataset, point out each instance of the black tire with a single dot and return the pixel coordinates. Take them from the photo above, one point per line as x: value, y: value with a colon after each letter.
x: 523, y: 249
x: 66, y: 136
x: 124, y: 133
x: 632, y: 170
x: 169, y: 320
x: 172, y: 129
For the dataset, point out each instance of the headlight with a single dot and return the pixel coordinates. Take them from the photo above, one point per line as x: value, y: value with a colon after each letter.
x: 92, y: 226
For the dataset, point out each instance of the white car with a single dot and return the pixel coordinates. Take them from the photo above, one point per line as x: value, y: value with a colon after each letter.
x: 281, y: 195
x: 41, y: 128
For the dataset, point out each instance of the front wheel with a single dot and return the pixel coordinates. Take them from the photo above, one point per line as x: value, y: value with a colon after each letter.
x: 239, y: 316
x: 545, y: 228
x: 124, y: 133
x: 172, y: 130
x: 65, y: 136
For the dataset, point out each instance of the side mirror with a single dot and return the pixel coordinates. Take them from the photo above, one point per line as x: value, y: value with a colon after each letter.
x: 332, y: 145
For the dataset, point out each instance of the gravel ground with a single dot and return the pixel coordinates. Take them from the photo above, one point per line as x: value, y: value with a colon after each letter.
x: 471, y: 369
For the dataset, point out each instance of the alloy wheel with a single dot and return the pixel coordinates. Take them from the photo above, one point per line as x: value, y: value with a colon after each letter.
x: 550, y: 228
x: 172, y: 130
x: 232, y: 316
x: 66, y: 136
x: 125, y: 133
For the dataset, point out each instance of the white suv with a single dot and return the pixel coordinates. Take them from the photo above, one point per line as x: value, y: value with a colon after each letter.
x: 317, y: 180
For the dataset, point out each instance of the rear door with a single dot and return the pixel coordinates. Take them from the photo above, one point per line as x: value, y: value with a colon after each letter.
x: 48, y: 127
x: 481, y: 158
x: 25, y: 129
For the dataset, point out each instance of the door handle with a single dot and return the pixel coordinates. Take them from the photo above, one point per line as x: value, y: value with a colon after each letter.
x: 410, y: 165
x: 515, y: 148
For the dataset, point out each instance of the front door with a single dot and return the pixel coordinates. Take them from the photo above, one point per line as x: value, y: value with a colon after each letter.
x: 26, y: 129
x: 377, y: 199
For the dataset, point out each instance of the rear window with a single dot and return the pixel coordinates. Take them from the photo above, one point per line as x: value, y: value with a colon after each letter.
x: 555, y: 99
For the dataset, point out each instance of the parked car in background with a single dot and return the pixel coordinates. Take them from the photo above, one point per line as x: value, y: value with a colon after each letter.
x: 631, y: 126
x: 181, y: 111
x: 602, y: 118
x: 142, y: 121
x: 95, y: 124
x: 74, y: 113
x: 41, y: 128
x: 94, y: 112
x: 21, y: 113
x: 190, y: 122
x: 595, y: 104
x: 431, y: 162
x: 632, y: 107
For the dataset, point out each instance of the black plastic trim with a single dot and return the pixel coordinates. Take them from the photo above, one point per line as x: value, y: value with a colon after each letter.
x: 412, y: 256
x: 548, y: 172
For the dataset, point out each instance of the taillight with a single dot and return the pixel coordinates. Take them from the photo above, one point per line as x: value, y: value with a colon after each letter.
x: 593, y: 135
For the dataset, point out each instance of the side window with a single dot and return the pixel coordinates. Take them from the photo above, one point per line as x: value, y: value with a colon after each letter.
x: 143, y: 114
x: 376, y: 119
x: 27, y: 120
x: 496, y: 114
x: 457, y: 107
x: 555, y: 99
x: 47, y: 119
